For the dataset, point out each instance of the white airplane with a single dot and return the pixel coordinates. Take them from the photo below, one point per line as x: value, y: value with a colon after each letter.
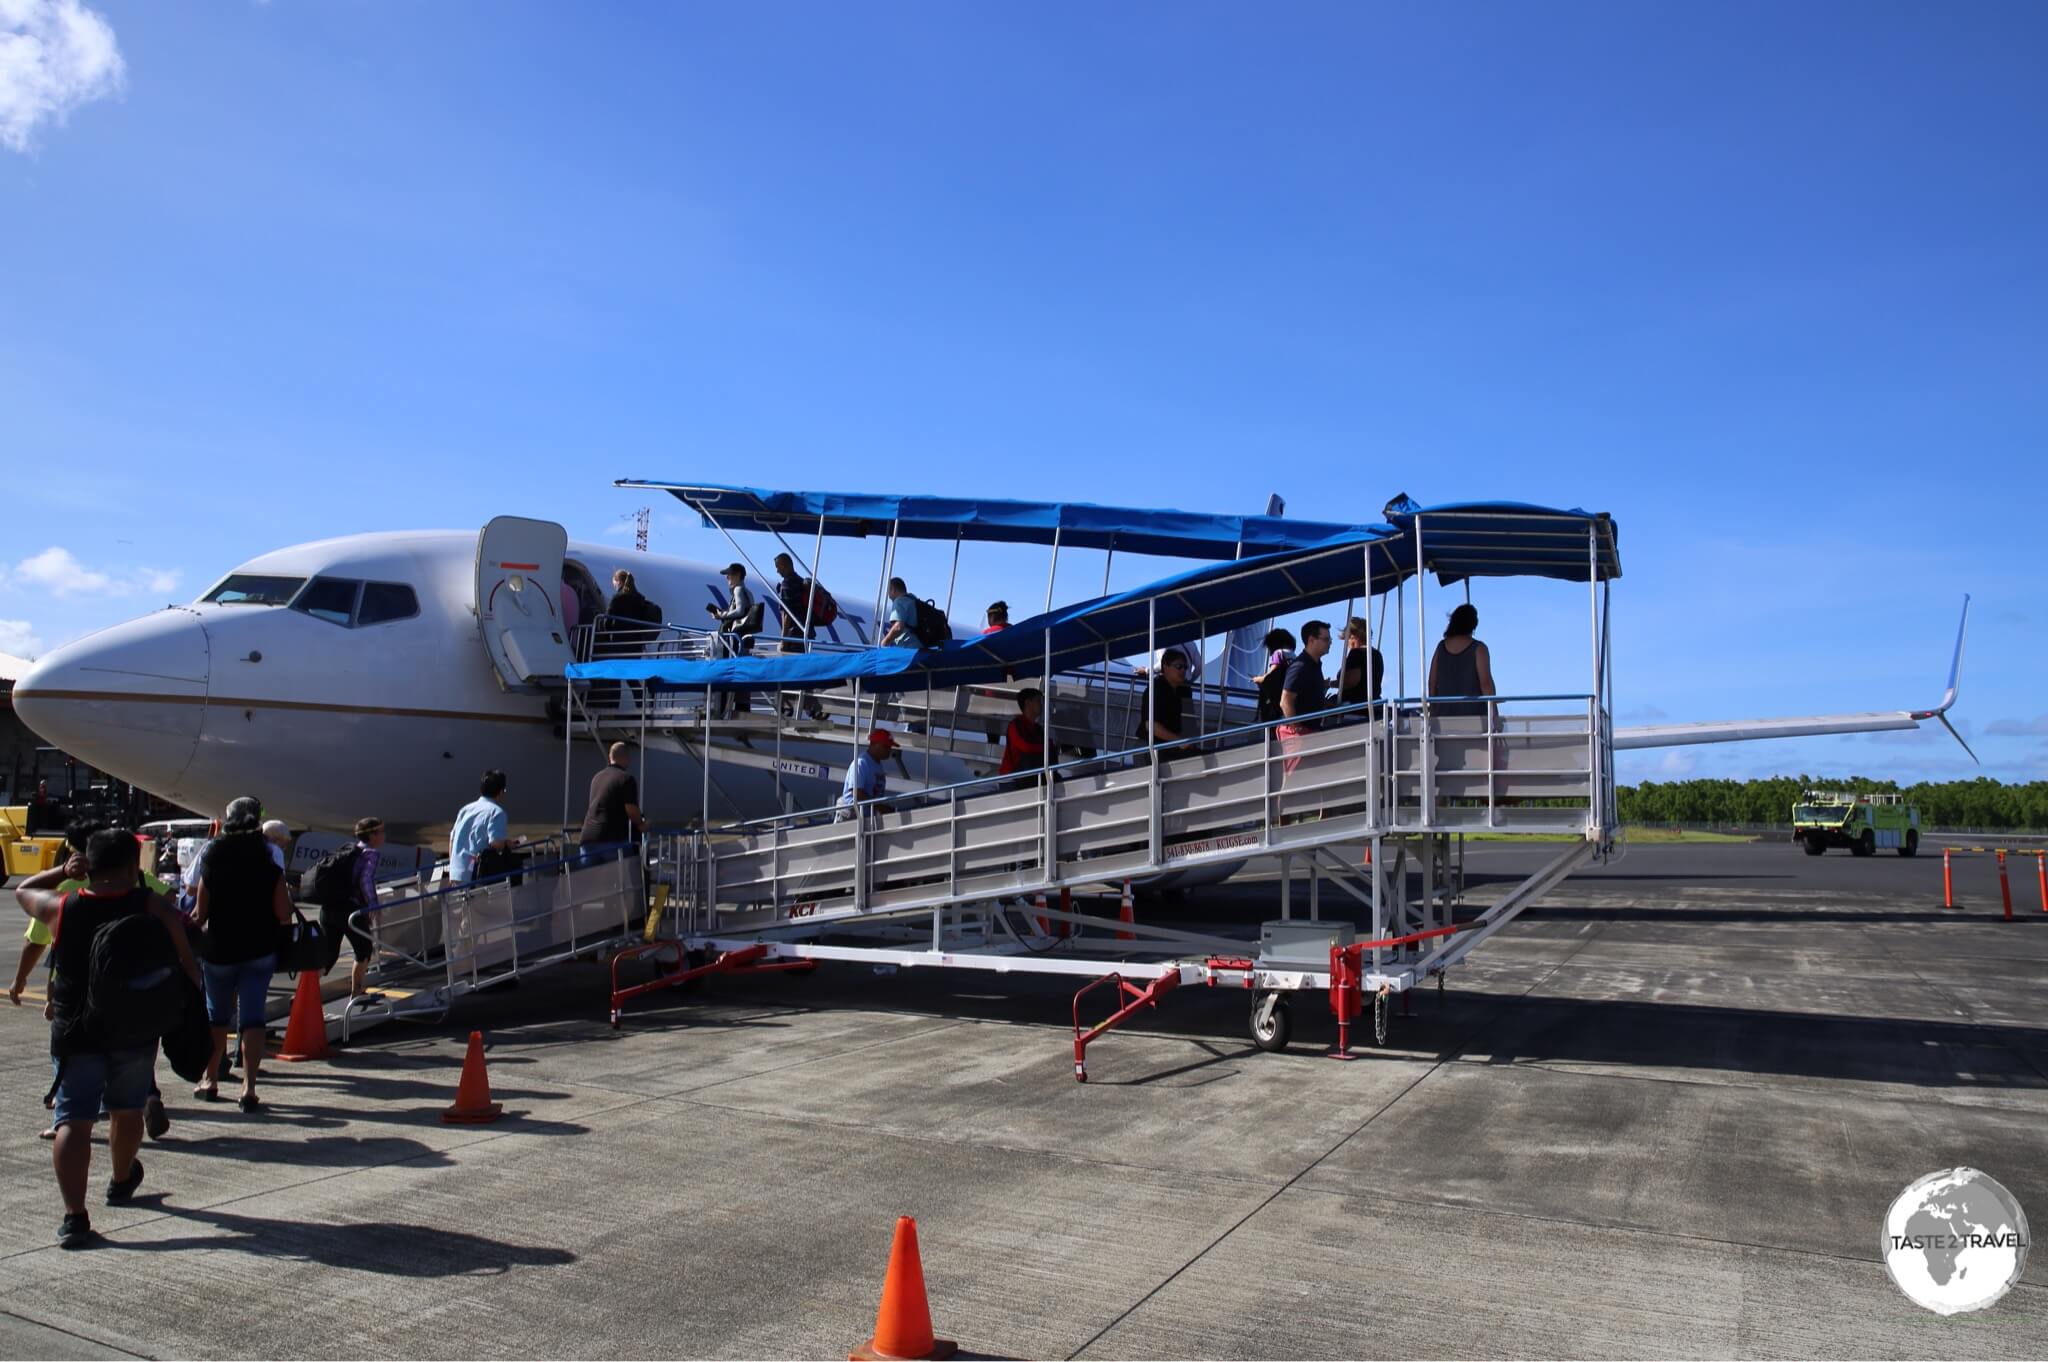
x: 358, y: 676
x: 382, y: 674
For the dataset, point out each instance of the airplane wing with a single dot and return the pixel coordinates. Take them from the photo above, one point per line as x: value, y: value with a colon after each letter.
x: 1805, y: 726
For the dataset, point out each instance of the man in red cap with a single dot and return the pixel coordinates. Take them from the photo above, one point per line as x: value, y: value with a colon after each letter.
x: 864, y: 777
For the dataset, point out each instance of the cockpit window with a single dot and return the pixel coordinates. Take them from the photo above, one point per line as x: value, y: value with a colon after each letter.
x: 386, y: 601
x: 249, y: 588
x: 329, y: 598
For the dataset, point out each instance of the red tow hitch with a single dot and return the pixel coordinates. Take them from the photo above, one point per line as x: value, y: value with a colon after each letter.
x: 1132, y: 998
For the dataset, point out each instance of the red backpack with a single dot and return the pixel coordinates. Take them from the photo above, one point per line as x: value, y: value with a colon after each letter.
x: 824, y: 610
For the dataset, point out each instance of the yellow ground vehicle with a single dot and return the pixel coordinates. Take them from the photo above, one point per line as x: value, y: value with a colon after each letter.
x: 1864, y: 823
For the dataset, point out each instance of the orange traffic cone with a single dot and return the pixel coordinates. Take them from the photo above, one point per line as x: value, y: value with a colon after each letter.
x: 1125, y: 916
x: 903, y: 1326
x: 305, y: 1035
x: 473, y: 1104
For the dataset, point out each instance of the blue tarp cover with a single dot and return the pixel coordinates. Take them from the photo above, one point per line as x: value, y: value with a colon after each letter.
x: 1189, y: 606
x: 1469, y: 539
x: 1127, y: 529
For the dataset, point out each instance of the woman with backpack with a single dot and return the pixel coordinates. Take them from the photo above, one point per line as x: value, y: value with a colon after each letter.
x: 1279, y: 646
x: 242, y: 902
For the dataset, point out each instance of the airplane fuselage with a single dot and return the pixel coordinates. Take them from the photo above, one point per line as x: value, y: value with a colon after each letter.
x: 328, y: 716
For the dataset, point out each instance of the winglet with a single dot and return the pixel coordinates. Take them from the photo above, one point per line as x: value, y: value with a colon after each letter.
x: 1955, y: 669
x: 1955, y: 680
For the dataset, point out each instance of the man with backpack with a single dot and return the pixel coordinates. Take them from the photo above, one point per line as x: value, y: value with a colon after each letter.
x: 344, y: 883
x: 116, y: 989
x: 807, y: 607
x: 156, y: 1121
x: 913, y: 623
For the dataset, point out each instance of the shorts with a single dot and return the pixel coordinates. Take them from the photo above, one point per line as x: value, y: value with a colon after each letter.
x: 119, y: 1080
x: 38, y: 933
x: 246, y: 982
x: 334, y: 925
x: 1291, y: 736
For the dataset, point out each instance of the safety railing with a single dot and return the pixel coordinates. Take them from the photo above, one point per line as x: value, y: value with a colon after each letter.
x: 1085, y: 710
x: 485, y: 932
x: 1373, y: 769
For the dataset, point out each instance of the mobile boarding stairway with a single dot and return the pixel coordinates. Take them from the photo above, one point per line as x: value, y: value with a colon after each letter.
x: 977, y: 873
x: 970, y: 876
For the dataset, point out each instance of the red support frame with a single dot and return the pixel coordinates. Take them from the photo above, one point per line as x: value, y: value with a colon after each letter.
x: 1133, y: 998
x: 752, y: 959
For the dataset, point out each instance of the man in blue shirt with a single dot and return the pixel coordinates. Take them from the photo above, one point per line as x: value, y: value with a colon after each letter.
x: 865, y: 778
x: 481, y: 828
x: 902, y: 630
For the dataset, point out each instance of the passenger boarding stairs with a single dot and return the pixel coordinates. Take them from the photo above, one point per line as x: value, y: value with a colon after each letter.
x: 1375, y: 789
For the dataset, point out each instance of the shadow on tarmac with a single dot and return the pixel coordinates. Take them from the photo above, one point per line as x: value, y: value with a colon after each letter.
x: 382, y: 1247
x: 1502, y: 1028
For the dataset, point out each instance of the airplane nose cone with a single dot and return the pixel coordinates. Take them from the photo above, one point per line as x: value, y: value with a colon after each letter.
x: 129, y: 700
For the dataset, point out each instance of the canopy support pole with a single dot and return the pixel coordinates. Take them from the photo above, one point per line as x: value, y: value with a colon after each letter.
x: 882, y: 590
x: 646, y: 697
x: 704, y: 763
x: 1426, y: 787
x: 1593, y: 624
x: 568, y: 741
x: 1054, y: 570
x: 737, y: 548
x: 1107, y: 559
x: 952, y: 577
x: 1151, y: 729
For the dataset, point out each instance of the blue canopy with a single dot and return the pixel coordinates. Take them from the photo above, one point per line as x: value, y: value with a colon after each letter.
x: 1467, y: 539
x: 1075, y: 524
x: 1177, y: 609
x: 1508, y: 539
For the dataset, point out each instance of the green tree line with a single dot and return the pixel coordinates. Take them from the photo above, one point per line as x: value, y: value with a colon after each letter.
x: 1979, y: 803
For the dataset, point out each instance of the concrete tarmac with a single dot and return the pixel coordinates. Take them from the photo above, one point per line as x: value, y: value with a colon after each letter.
x: 1663, y: 1115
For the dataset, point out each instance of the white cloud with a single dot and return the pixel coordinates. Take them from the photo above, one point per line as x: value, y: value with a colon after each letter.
x: 1677, y: 764
x: 19, y: 637
x: 58, y: 571
x: 63, y: 574
x: 54, y: 56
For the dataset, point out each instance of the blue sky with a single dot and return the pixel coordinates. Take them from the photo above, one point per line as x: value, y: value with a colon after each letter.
x: 1766, y: 282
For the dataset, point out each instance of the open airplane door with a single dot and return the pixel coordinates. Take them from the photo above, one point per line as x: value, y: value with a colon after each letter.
x: 518, y: 608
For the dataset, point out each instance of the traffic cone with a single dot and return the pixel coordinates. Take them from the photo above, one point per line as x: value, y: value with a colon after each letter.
x: 305, y: 1035
x: 1125, y: 916
x: 473, y: 1104
x: 903, y: 1326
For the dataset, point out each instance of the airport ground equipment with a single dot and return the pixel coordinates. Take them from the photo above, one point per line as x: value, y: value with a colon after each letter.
x: 440, y: 943
x: 1371, y: 803
x: 1865, y: 824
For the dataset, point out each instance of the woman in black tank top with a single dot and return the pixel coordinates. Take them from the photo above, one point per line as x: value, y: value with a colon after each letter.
x: 1461, y: 665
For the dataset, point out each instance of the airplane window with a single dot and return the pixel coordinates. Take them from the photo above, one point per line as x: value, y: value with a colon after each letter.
x: 329, y: 598
x: 386, y: 601
x: 248, y: 588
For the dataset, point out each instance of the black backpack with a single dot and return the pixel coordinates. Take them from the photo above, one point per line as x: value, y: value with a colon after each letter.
x: 931, y: 625
x: 135, y: 991
x: 1269, y: 695
x: 333, y: 883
